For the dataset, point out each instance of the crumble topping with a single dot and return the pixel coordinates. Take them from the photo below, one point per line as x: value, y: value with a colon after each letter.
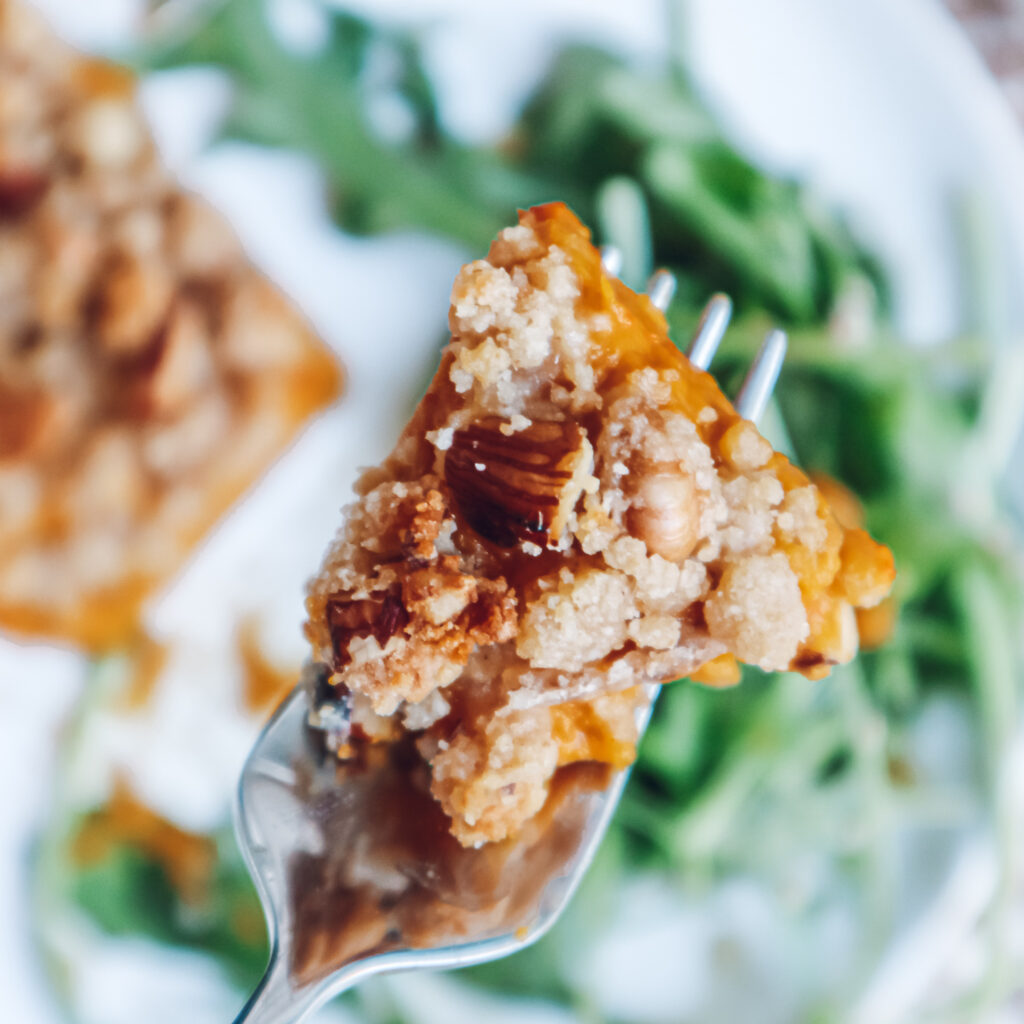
x: 403, y: 612
x: 484, y: 779
x: 572, y: 513
x: 585, y: 618
x: 423, y: 714
x: 742, y: 446
x: 757, y: 611
x: 798, y: 519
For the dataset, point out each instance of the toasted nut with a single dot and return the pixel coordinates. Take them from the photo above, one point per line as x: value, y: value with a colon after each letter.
x: 20, y: 190
x: 172, y: 373
x: 520, y: 486
x: 139, y: 231
x: 31, y: 422
x: 26, y: 34
x: 439, y: 593
x: 132, y: 305
x: 69, y: 256
x: 21, y: 498
x: 184, y: 366
x: 107, y: 485
x: 381, y: 615
x: 177, y: 446
x: 665, y: 514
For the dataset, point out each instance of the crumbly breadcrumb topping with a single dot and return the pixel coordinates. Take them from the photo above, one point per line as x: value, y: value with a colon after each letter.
x: 572, y: 512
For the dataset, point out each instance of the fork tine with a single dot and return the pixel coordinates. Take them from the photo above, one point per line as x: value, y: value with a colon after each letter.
x: 757, y: 386
x: 661, y: 286
x: 611, y: 260
x: 760, y: 381
x: 713, y: 322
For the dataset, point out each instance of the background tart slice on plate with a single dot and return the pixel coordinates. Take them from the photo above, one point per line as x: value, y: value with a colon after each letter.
x: 572, y: 511
x: 148, y: 372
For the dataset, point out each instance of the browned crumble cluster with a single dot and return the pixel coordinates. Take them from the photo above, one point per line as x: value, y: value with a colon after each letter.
x: 148, y: 373
x: 573, y: 511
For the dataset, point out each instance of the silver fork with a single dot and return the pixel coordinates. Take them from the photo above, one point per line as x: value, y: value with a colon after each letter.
x: 358, y: 877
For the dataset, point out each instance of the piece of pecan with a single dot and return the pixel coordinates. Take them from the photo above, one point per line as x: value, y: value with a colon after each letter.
x: 381, y: 615
x: 514, y: 486
x: 30, y: 421
x: 20, y: 190
x: 131, y: 305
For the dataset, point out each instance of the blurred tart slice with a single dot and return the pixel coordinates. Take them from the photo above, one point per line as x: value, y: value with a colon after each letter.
x: 573, y: 511
x: 148, y: 372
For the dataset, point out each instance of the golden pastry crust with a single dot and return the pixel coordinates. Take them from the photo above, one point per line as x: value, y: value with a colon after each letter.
x: 634, y: 526
x: 148, y: 373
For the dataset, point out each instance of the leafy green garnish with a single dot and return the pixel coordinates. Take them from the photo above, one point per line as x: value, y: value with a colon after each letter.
x: 594, y: 123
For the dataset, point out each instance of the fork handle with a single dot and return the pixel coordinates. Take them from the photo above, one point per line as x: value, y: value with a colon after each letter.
x: 275, y: 1001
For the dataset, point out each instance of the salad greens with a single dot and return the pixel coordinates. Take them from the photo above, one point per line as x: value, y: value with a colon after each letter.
x: 727, y: 783
x: 598, y: 133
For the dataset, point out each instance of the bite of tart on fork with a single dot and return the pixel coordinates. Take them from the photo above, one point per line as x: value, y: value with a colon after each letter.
x: 574, y: 515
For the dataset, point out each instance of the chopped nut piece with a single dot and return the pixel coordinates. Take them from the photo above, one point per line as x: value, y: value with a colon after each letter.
x: 381, y: 615
x: 29, y: 420
x: 520, y: 486
x: 184, y: 365
x: 20, y: 190
x: 201, y: 244
x: 132, y: 305
x: 666, y: 514
x: 439, y: 594
x: 108, y: 134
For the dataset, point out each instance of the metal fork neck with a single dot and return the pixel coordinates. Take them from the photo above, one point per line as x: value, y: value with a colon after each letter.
x: 275, y: 1001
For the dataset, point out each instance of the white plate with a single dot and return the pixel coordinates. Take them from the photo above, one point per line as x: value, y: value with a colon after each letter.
x: 880, y: 105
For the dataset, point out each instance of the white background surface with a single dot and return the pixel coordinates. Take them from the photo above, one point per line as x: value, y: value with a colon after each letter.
x: 878, y: 103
